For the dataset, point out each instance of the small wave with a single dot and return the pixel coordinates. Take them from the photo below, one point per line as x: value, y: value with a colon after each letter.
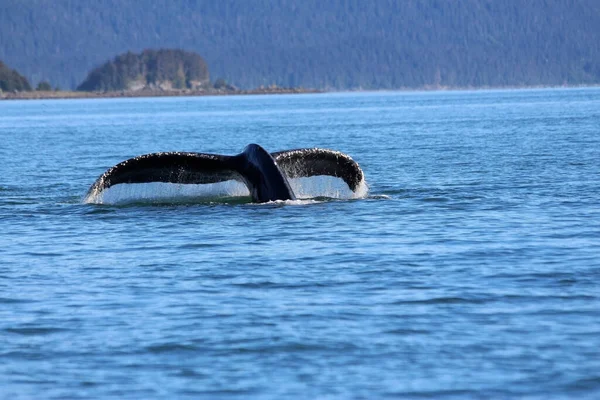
x: 8, y: 300
x: 280, y: 203
x: 34, y: 331
x: 171, y: 347
x: 586, y: 384
x: 441, y: 300
x: 193, y: 246
x: 292, y: 347
x: 190, y: 373
x: 435, y: 199
x: 40, y: 254
x: 403, y: 332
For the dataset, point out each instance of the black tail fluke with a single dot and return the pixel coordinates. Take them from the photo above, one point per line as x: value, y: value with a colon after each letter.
x: 262, y: 175
x: 313, y: 162
x: 174, y: 167
x: 266, y: 175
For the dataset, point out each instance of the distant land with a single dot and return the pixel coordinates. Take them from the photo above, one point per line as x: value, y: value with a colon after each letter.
x: 163, y: 69
x: 163, y: 72
x: 333, y: 44
x: 11, y: 80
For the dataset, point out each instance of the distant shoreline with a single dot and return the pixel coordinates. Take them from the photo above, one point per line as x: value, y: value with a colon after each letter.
x: 56, y: 95
x: 61, y: 95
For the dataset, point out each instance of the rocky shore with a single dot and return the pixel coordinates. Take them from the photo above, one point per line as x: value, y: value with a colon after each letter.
x: 35, y: 95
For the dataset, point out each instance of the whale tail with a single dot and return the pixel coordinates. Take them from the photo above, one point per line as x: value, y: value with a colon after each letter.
x: 266, y: 175
x: 301, y: 163
x: 262, y: 175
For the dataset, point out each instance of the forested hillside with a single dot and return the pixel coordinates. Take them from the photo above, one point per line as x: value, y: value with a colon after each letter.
x: 11, y: 80
x: 315, y: 43
x: 165, y: 68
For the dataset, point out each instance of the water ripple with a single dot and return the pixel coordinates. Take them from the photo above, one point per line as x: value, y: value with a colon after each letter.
x: 470, y: 271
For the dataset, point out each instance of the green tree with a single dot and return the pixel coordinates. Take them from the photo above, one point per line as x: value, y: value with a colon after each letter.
x: 43, y: 86
x: 11, y: 80
x: 220, y: 84
x: 182, y: 69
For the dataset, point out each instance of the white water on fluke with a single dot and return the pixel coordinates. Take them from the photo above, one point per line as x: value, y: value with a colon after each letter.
x: 228, y: 191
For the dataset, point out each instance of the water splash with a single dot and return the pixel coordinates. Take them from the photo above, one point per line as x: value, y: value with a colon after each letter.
x: 326, y: 186
x: 304, y: 188
x: 171, y: 192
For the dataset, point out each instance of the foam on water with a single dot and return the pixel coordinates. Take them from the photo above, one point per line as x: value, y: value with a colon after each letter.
x: 297, y: 202
x: 304, y: 188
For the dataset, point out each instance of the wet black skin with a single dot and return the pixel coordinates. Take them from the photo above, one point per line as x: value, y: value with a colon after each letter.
x: 262, y: 175
x: 266, y: 175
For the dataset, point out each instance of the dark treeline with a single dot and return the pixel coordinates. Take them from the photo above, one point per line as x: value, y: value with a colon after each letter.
x: 175, y: 69
x: 313, y: 43
x: 11, y: 80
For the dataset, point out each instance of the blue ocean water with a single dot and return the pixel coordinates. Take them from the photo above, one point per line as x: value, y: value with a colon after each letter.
x: 470, y: 270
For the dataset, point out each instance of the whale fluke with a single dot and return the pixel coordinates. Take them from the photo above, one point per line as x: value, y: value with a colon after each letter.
x: 313, y: 162
x: 170, y: 167
x: 266, y: 175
